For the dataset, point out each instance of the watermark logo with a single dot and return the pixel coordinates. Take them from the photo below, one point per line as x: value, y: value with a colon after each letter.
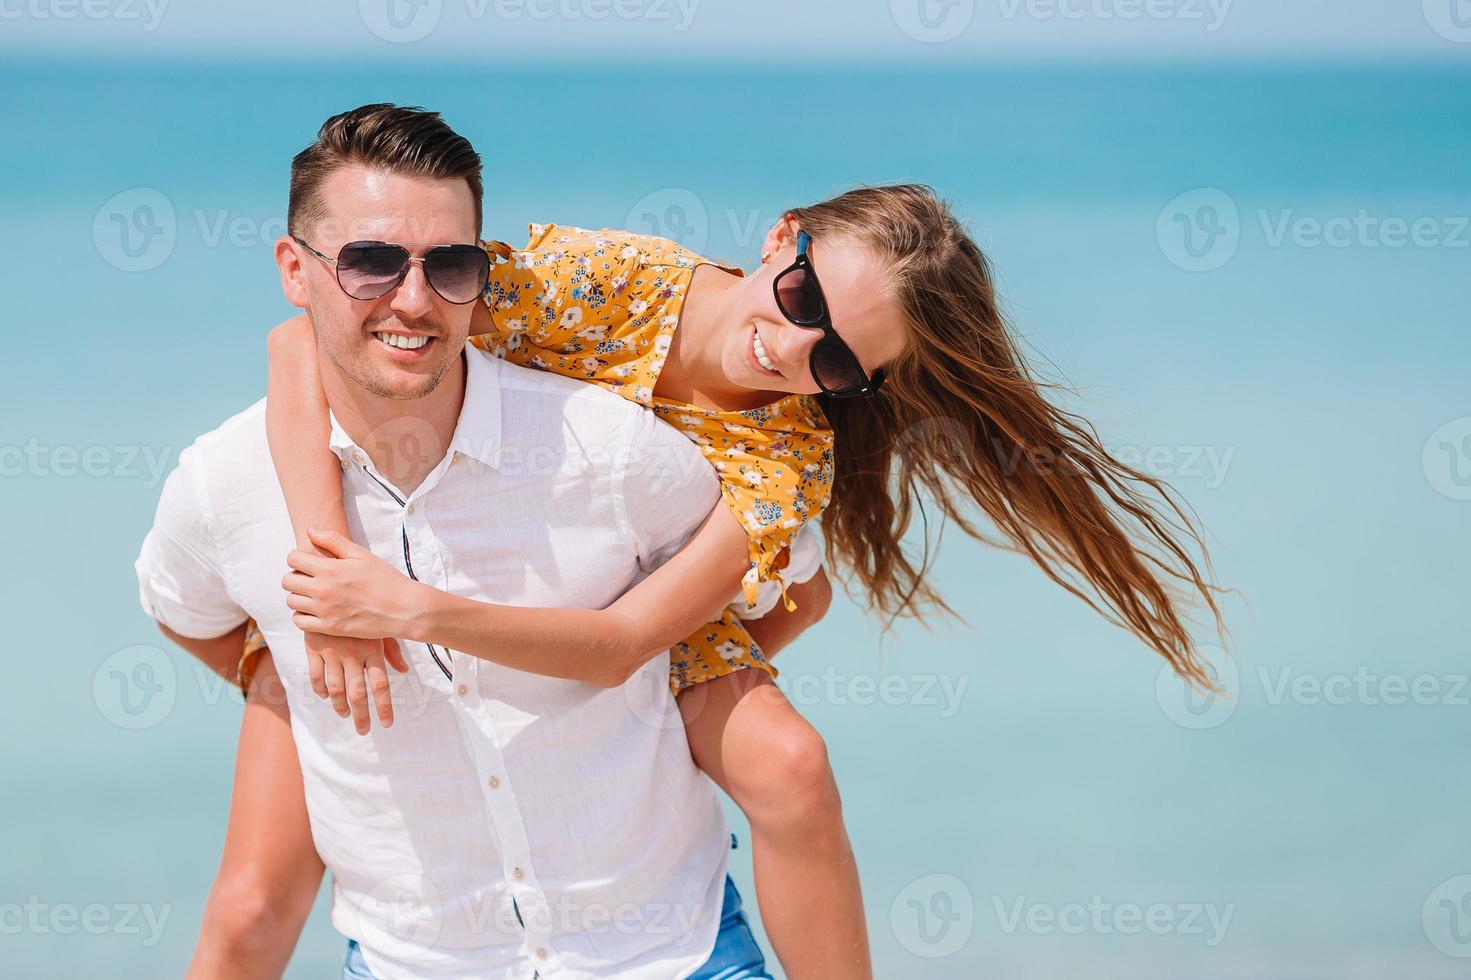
x: 944, y: 441
x: 134, y: 231
x: 648, y: 698
x: 1210, y: 14
x: 679, y: 13
x: 135, y: 688
x: 933, y: 21
x: 37, y: 460
x: 404, y: 908
x: 1446, y: 459
x: 1446, y: 917
x: 1200, y: 230
x: 1206, y: 920
x: 1363, y: 687
x: 1197, y: 710
x: 934, y: 916
x: 402, y: 448
x: 1364, y: 229
x: 940, y: 694
x: 147, y: 13
x: 1451, y: 19
x: 400, y: 21
x: 676, y: 213
x: 40, y: 918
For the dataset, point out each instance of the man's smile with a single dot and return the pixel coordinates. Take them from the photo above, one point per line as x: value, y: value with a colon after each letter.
x: 403, y: 345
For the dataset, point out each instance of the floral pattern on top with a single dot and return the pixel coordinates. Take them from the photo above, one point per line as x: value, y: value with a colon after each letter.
x: 602, y: 306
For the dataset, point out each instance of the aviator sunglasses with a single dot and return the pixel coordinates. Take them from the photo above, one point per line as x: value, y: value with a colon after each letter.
x: 371, y: 270
x: 833, y: 363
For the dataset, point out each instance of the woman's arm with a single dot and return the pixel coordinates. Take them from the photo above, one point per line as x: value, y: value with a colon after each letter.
x: 299, y: 429
x: 358, y: 594
x: 220, y: 654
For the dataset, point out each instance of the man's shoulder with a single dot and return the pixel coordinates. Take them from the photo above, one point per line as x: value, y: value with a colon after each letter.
x: 545, y: 394
x: 233, y: 449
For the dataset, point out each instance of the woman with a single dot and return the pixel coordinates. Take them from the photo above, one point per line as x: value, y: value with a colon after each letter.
x: 864, y: 363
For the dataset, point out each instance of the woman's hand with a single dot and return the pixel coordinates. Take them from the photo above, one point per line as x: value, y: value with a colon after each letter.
x: 352, y: 593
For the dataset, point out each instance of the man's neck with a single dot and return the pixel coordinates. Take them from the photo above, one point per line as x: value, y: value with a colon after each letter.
x: 405, y: 438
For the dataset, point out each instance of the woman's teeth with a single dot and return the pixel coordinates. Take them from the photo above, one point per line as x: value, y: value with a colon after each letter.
x: 760, y: 352
x: 402, y: 342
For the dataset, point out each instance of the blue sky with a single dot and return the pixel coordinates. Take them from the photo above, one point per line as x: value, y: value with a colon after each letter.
x: 920, y: 31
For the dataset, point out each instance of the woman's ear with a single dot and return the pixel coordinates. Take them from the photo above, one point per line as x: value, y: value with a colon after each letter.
x: 293, y: 274
x: 782, y: 235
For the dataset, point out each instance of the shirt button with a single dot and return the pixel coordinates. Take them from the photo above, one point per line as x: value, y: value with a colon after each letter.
x: 346, y: 463
x: 517, y: 873
x: 463, y: 689
x: 411, y: 508
x: 541, y: 953
x: 493, y: 782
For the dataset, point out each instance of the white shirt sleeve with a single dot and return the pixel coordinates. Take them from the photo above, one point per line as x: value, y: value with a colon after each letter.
x: 668, y: 489
x: 181, y: 581
x: 805, y: 562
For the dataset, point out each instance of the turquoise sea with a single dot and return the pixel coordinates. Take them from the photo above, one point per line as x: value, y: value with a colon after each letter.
x: 1257, y: 275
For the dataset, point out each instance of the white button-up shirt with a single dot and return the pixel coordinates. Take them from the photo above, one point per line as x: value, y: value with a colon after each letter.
x: 508, y: 824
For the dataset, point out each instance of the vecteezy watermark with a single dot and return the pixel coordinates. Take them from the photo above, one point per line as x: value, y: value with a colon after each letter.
x: 1104, y: 918
x: 1210, y: 14
x: 1451, y: 19
x: 941, y: 693
x: 409, y: 909
x: 647, y: 695
x: 135, y: 687
x: 38, y: 460
x: 680, y: 214
x: 1201, y: 230
x: 1209, y: 464
x: 1194, y: 709
x: 405, y: 910
x: 676, y: 213
x: 933, y: 916
x: 1364, y: 229
x: 135, y: 230
x: 406, y: 21
x: 148, y: 14
x: 400, y: 21
x: 1362, y: 686
x: 1446, y: 916
x: 1286, y: 685
x: 1446, y: 459
x: 39, y: 918
x: 933, y: 21
x: 138, y: 229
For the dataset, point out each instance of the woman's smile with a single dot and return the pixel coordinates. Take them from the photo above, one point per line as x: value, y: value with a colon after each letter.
x: 760, y: 357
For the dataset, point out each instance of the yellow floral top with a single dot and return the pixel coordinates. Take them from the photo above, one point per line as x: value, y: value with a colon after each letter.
x: 602, y: 306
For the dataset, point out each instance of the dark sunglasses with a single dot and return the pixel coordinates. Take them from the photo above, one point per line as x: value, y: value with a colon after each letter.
x: 370, y: 270
x: 833, y: 363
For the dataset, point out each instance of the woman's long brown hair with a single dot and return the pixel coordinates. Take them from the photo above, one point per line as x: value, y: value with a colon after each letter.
x: 962, y: 418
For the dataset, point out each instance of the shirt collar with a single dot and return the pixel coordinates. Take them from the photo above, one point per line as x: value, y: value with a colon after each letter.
x: 478, y: 431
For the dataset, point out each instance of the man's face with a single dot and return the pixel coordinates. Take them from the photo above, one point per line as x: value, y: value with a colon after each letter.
x: 355, y: 335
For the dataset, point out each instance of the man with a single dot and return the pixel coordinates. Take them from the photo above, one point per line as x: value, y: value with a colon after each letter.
x: 509, y: 825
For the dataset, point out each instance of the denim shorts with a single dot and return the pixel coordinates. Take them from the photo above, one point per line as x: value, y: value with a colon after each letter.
x: 736, y: 955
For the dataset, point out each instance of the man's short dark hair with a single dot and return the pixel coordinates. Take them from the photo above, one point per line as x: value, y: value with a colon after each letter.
x: 404, y: 140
